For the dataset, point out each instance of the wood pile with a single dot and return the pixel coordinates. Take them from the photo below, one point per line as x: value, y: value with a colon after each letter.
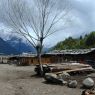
x: 69, y: 68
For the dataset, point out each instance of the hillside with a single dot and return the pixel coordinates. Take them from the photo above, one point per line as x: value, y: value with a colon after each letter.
x: 88, y: 41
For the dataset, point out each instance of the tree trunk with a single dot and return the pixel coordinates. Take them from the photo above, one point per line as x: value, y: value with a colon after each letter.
x: 40, y: 64
x: 39, y: 53
x: 39, y: 48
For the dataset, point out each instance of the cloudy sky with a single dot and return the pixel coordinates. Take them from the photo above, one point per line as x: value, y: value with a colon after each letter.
x: 80, y: 21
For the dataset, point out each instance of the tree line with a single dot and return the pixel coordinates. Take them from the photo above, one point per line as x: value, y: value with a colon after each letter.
x: 82, y: 42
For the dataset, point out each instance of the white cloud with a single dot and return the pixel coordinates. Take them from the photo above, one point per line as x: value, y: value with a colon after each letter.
x: 81, y: 20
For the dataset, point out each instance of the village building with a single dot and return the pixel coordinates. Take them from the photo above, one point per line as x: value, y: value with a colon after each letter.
x: 58, y: 56
x: 4, y: 59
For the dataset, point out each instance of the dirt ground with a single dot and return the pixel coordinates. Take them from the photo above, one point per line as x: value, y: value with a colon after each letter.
x: 22, y: 81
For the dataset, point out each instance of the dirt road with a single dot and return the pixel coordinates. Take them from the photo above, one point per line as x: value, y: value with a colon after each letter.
x: 21, y: 81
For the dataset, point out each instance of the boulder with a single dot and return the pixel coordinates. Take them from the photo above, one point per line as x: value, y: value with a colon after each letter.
x: 72, y: 84
x: 50, y: 77
x: 64, y: 75
x: 88, y: 83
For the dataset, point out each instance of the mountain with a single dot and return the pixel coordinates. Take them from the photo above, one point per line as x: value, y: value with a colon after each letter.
x: 88, y: 41
x: 19, y: 45
x: 16, y: 45
x: 6, y: 48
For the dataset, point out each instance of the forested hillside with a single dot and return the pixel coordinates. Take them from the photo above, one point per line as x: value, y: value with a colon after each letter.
x: 87, y: 41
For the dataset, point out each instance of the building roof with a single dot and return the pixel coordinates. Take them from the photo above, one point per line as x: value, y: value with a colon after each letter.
x: 72, y: 51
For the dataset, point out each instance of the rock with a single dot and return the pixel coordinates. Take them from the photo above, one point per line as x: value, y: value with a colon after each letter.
x: 64, y: 75
x: 72, y: 84
x: 65, y: 83
x: 91, y: 75
x: 88, y: 83
x: 88, y: 92
x: 50, y: 77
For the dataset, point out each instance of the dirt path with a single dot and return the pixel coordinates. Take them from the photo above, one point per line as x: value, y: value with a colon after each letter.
x: 20, y: 81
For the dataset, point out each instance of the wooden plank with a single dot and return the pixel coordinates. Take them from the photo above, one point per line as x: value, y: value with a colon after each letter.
x: 76, y: 70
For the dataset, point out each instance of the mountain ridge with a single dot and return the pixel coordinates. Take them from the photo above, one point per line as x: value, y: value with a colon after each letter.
x: 6, y: 48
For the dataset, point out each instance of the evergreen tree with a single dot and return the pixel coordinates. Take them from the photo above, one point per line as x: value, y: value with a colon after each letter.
x: 88, y: 41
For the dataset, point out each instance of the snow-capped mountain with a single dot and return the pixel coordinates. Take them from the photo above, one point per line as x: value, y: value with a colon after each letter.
x: 6, y: 48
x: 20, y: 45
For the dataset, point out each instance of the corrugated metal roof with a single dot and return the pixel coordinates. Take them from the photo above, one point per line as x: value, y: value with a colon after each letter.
x: 72, y: 51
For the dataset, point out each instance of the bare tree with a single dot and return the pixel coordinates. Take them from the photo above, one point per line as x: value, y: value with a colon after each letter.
x: 36, y: 20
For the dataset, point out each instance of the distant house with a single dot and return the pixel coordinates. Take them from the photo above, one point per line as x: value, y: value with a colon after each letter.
x: 59, y: 56
x: 4, y: 59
